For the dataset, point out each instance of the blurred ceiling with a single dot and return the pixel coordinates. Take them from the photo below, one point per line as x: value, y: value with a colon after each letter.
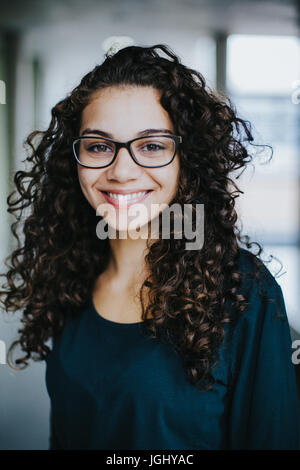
x: 231, y: 16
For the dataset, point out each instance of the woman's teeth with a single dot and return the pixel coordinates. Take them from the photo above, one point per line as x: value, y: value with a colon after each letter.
x: 124, y: 197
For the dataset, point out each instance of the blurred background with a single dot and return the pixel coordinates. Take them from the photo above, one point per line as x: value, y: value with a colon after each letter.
x: 250, y: 50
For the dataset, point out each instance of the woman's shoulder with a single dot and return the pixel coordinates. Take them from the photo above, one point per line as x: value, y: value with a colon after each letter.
x: 261, y: 291
x: 259, y: 337
x: 255, y: 275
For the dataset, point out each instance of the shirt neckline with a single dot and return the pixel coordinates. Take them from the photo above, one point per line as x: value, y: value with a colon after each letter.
x: 112, y: 323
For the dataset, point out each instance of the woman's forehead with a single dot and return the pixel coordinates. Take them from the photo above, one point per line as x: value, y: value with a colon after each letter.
x: 117, y: 96
x: 134, y: 108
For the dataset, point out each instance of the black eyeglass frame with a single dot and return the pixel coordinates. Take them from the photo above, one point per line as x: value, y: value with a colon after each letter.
x: 176, y: 138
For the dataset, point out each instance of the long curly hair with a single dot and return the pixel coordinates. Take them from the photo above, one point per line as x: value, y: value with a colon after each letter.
x: 58, y: 257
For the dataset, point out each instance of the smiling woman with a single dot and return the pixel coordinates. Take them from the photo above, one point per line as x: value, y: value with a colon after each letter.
x: 155, y: 346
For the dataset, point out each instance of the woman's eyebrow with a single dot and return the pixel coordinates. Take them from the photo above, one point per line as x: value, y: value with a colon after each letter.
x: 154, y: 131
x: 141, y: 133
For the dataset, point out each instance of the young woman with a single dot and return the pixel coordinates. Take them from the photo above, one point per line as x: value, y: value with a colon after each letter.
x: 155, y: 346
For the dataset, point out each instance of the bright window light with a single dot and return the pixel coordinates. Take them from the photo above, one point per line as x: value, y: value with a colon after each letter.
x: 263, y: 64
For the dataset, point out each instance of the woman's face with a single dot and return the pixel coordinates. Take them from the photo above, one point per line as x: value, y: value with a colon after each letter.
x: 124, y: 113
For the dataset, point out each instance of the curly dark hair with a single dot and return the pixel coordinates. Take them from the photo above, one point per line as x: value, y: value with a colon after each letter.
x: 53, y: 268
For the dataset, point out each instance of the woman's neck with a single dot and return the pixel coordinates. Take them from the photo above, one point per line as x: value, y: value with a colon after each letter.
x: 127, y: 261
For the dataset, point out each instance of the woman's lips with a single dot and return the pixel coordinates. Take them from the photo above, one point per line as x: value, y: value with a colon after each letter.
x: 124, y: 202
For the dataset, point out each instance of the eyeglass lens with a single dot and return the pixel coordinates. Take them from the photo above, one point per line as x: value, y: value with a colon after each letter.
x: 150, y: 151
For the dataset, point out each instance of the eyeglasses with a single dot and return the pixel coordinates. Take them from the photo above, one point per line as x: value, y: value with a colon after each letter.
x: 153, y: 151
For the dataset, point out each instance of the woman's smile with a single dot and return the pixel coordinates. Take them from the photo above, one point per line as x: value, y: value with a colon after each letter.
x: 120, y: 200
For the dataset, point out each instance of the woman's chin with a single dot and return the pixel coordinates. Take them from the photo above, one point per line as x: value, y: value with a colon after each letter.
x: 132, y: 231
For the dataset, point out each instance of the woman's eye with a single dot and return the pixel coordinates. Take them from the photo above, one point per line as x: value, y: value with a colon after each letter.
x: 99, y: 148
x: 152, y: 147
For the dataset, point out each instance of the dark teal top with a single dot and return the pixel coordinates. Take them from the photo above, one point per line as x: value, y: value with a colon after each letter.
x: 113, y: 387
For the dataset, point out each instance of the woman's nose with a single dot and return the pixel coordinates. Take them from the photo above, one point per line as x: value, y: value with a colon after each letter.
x: 124, y: 164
